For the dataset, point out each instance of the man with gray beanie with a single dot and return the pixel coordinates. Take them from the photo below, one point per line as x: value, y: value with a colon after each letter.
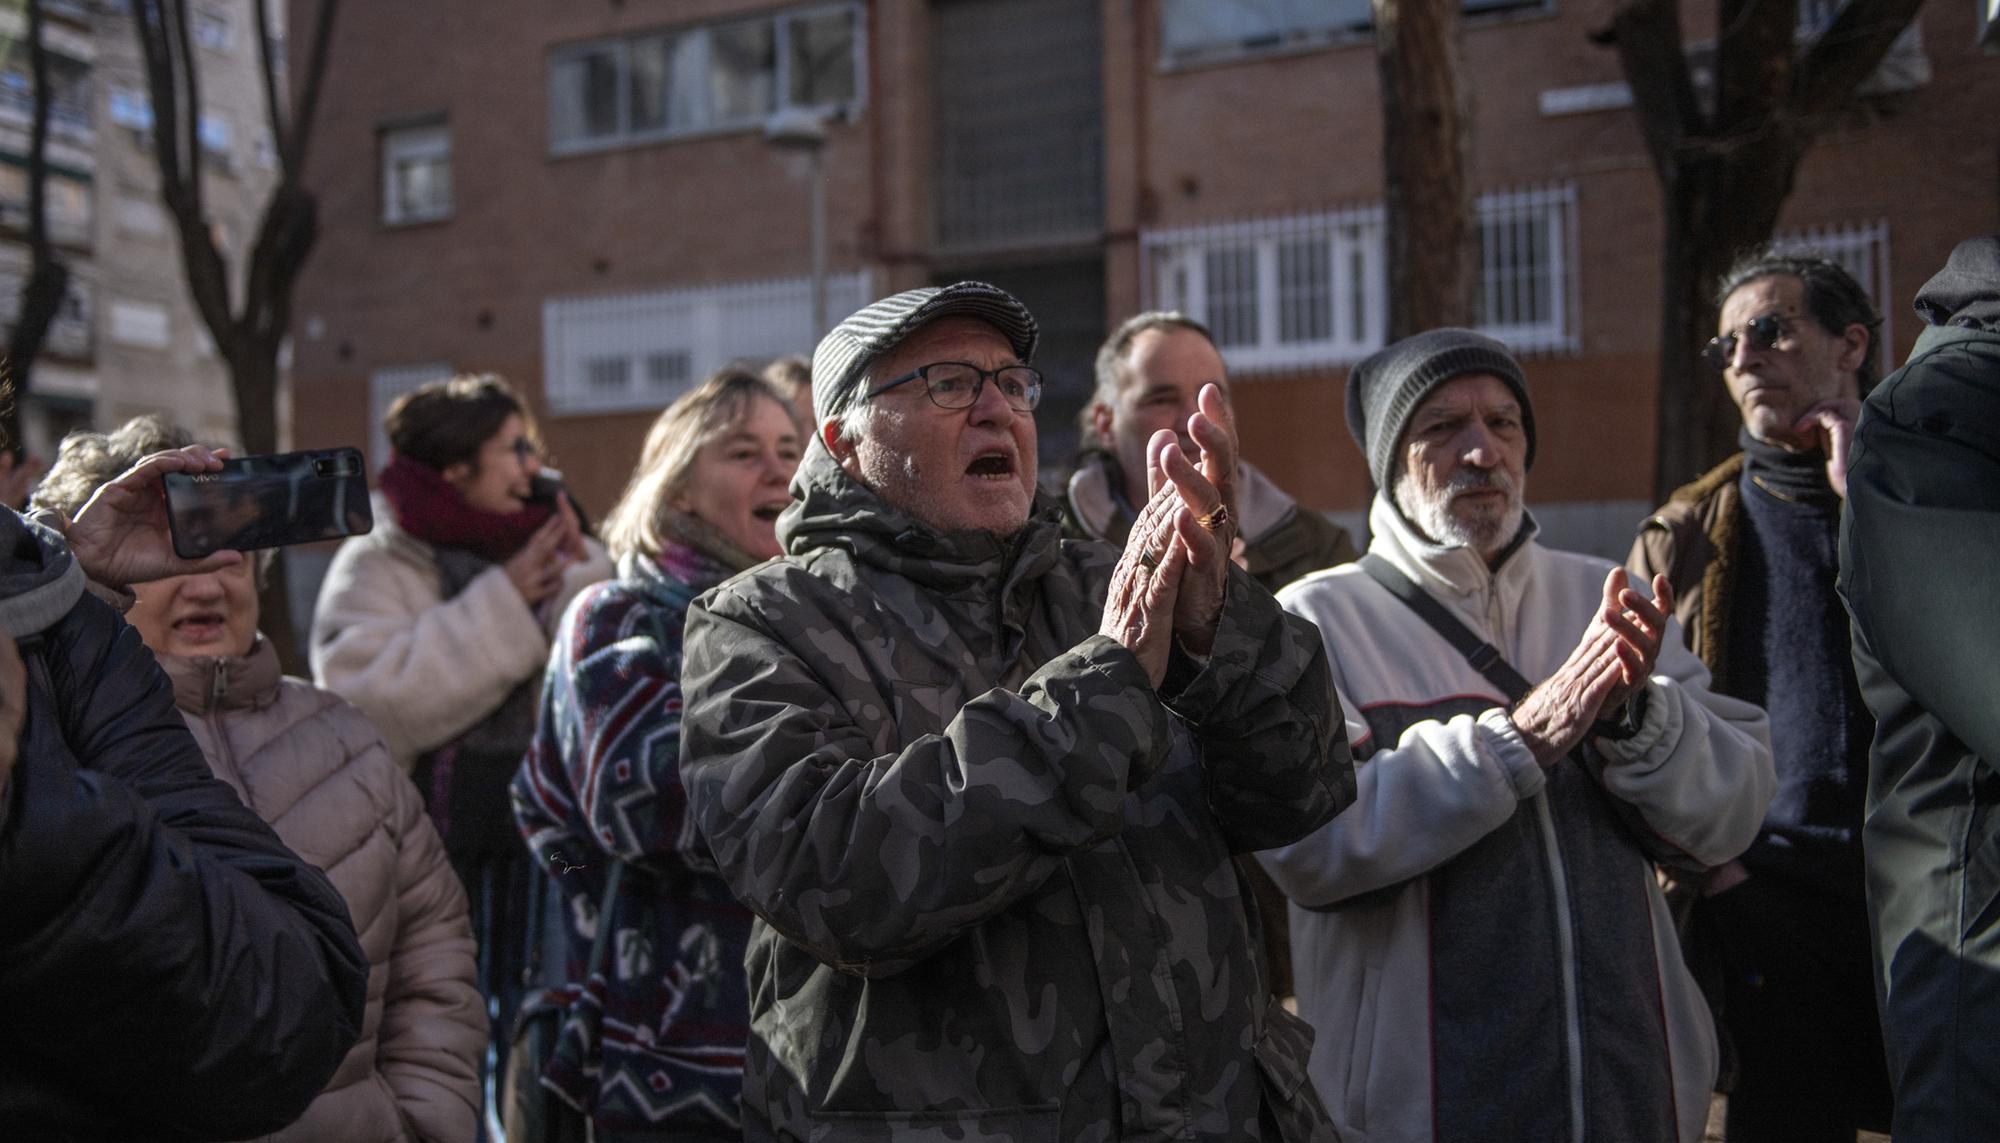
x: 982, y: 785
x: 1480, y: 942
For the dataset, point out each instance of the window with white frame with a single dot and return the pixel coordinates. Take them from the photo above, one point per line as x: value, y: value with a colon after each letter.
x: 712, y: 77
x: 640, y: 351
x: 1862, y: 249
x: 1312, y: 290
x: 416, y: 173
x: 1196, y: 31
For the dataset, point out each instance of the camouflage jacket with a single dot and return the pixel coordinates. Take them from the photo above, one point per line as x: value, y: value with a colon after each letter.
x: 991, y: 865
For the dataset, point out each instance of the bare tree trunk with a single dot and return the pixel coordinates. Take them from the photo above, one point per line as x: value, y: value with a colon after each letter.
x: 1427, y: 203
x: 47, y: 283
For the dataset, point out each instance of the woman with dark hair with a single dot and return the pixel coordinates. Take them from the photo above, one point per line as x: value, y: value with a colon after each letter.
x: 436, y: 625
x: 654, y: 1050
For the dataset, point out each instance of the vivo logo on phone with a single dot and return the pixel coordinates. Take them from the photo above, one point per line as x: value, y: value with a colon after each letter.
x: 206, y: 477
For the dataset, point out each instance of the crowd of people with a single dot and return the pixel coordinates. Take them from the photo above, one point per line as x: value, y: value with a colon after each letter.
x: 850, y: 781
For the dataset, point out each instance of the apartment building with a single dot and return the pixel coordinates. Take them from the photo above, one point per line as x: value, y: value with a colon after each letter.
x: 584, y: 198
x: 129, y: 340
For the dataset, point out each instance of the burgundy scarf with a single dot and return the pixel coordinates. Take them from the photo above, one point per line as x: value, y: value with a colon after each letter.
x: 429, y: 508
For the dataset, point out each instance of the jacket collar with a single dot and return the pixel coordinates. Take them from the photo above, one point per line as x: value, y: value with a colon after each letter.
x: 830, y: 509
x: 1453, y: 572
x: 206, y: 685
x: 39, y: 580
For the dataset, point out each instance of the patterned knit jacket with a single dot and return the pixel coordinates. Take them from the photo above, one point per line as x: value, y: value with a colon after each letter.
x: 656, y: 1039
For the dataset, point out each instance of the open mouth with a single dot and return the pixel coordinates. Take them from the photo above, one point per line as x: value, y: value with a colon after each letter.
x: 769, y: 512
x: 201, y: 625
x: 992, y: 465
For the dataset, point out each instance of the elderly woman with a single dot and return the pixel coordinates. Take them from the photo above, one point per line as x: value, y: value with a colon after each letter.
x: 655, y: 1051
x: 436, y: 625
x: 313, y: 767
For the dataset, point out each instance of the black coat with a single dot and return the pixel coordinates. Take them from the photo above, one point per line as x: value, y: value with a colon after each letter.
x: 1920, y: 558
x: 168, y: 969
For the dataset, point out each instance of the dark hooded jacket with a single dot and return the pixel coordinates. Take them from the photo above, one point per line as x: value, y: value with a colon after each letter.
x: 991, y: 864
x: 1920, y: 544
x: 168, y: 969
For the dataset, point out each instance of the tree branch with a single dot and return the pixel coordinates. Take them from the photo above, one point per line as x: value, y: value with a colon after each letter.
x: 308, y: 107
x: 1755, y: 50
x: 1847, y: 53
x: 1647, y: 34
x: 271, y: 103
x: 176, y: 91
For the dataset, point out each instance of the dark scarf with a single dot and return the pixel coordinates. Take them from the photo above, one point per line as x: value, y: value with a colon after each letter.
x: 1794, y: 476
x: 430, y: 509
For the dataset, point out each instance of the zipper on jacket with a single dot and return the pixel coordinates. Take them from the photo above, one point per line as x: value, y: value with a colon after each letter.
x: 1566, y: 945
x: 225, y: 757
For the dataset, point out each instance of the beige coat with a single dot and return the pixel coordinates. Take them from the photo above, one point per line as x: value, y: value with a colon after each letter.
x: 423, y: 668
x: 312, y: 766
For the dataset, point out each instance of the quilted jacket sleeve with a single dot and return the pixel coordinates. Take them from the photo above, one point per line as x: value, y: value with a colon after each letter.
x: 141, y: 895
x: 871, y: 860
x: 433, y: 1018
x: 1263, y: 709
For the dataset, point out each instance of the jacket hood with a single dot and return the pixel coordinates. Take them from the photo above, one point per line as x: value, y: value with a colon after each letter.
x: 831, y: 509
x: 1967, y: 291
x: 206, y: 684
x: 39, y: 580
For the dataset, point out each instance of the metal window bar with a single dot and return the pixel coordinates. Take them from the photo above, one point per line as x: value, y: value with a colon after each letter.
x: 1862, y: 249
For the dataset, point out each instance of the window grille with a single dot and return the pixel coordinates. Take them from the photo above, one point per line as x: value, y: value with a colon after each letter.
x: 384, y: 386
x: 1198, y: 31
x: 1312, y: 290
x: 637, y: 352
x: 1862, y: 249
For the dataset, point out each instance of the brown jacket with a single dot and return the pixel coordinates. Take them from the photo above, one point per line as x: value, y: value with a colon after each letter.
x: 316, y: 770
x: 1692, y: 541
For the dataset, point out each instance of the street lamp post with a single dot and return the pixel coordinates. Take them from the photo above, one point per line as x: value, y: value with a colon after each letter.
x: 804, y: 130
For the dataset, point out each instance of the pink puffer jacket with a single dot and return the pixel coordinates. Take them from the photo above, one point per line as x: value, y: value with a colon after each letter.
x: 316, y: 770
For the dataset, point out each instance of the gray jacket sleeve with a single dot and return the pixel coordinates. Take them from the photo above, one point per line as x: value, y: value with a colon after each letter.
x: 871, y: 859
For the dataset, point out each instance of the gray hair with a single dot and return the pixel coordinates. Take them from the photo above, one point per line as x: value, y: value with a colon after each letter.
x: 1113, y: 366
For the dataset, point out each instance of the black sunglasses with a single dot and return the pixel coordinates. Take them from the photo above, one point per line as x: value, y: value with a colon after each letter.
x: 1759, y: 333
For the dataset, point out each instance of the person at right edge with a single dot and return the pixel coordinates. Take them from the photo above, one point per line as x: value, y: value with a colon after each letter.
x: 1779, y: 937
x: 1920, y: 541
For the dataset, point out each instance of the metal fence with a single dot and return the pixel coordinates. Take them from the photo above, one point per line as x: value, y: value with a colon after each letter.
x: 1862, y: 249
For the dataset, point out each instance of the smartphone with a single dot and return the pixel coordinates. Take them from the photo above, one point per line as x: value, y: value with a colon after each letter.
x: 268, y: 502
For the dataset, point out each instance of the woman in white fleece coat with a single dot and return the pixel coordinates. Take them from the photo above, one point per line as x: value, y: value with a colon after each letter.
x: 436, y: 624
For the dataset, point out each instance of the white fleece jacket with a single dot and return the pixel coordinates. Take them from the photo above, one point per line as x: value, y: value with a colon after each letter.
x: 425, y: 669
x: 1480, y: 945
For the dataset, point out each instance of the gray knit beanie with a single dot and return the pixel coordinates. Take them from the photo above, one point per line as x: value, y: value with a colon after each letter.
x: 1388, y: 385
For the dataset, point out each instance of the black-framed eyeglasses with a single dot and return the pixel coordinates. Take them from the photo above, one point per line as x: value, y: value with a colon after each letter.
x: 956, y: 384
x: 1759, y: 333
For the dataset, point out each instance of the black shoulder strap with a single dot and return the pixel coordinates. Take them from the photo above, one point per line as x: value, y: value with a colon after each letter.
x: 1484, y: 657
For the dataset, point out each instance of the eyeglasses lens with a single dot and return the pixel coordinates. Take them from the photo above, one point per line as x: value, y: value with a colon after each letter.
x: 954, y: 385
x: 1761, y: 334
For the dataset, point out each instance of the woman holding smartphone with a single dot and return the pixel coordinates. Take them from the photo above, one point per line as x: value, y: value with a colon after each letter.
x: 654, y: 1050
x: 313, y: 768
x: 436, y: 624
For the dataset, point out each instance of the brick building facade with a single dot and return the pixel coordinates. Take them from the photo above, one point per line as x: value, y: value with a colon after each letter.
x: 582, y: 198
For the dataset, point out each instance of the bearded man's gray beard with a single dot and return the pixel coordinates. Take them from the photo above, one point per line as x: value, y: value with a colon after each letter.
x: 1483, y: 529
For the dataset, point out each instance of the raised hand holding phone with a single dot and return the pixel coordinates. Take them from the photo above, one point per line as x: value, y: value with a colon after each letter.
x: 121, y: 535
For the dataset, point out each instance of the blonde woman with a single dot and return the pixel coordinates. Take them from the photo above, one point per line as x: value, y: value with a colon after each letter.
x: 652, y: 1048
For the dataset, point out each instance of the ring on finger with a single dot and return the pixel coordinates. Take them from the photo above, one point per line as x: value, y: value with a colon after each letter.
x: 1215, y: 519
x: 1148, y: 560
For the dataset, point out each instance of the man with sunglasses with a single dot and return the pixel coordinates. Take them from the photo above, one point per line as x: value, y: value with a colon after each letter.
x: 982, y: 785
x: 1779, y: 937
